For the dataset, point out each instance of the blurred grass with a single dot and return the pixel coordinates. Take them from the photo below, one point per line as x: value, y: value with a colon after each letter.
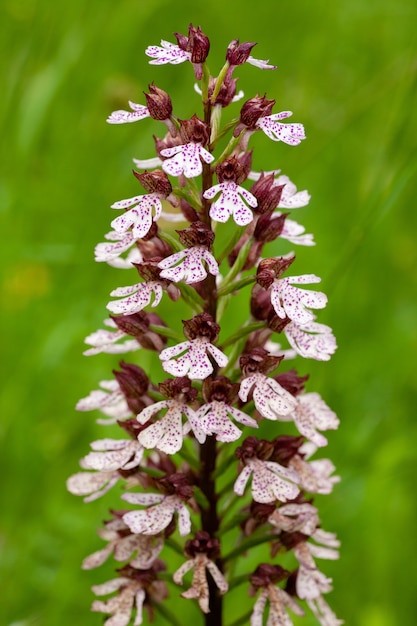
x: 348, y: 71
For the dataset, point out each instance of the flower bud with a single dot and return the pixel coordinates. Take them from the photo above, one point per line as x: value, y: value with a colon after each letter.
x: 268, y: 228
x: 134, y: 383
x: 251, y: 111
x: 137, y: 325
x: 238, y: 54
x: 267, y: 194
x: 158, y: 102
x: 154, y: 182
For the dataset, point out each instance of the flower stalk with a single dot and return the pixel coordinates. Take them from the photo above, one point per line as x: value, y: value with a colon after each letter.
x: 197, y: 479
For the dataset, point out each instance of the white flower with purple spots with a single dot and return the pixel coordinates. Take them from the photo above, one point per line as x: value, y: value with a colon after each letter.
x: 123, y: 545
x: 195, y: 362
x: 301, y: 518
x: 136, y: 297
x: 167, y: 434
x: 139, y: 217
x: 295, y: 233
x: 279, y: 600
x: 213, y: 419
x: 167, y: 52
x: 291, y: 134
x: 311, y: 340
x: 231, y: 202
x: 315, y: 476
x: 112, y: 454
x: 110, y: 251
x: 323, y: 612
x: 310, y: 414
x: 271, y: 400
x: 158, y: 515
x: 187, y: 265
x: 139, y: 112
x: 185, y: 159
x: 270, y: 481
x: 109, y: 400
x: 108, y: 456
x: 131, y: 596
x: 199, y: 587
x: 292, y: 302
x: 106, y: 341
x: 290, y: 197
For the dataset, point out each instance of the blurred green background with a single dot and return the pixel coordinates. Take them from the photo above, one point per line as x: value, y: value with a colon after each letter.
x: 348, y: 71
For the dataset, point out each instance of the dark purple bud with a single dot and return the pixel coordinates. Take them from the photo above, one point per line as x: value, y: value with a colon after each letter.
x: 290, y: 380
x: 158, y: 102
x: 202, y: 325
x: 260, y: 303
x: 133, y: 383
x: 268, y: 228
x: 238, y: 54
x: 137, y: 325
x: 252, y: 111
x: 154, y: 182
x: 267, y: 193
x: 253, y: 448
x: 198, y: 44
x: 285, y: 448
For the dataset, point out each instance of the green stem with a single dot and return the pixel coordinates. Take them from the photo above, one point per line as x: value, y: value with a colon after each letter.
x: 166, y: 332
x: 243, y: 332
x: 249, y: 543
x: 168, y: 615
x: 239, y: 284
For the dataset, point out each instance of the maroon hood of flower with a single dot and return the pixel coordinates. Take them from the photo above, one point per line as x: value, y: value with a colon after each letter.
x: 220, y: 389
x: 197, y: 43
x: 258, y: 360
x: 202, y: 544
x: 137, y: 325
x: 154, y: 182
x: 201, y: 325
x: 194, y: 130
x: 198, y: 234
x: 179, y: 389
x: 266, y: 574
x: 158, y: 102
x: 176, y: 484
x: 133, y: 383
x: 267, y: 194
x: 237, y: 53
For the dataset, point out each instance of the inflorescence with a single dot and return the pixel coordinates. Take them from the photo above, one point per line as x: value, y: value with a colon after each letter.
x: 201, y: 483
